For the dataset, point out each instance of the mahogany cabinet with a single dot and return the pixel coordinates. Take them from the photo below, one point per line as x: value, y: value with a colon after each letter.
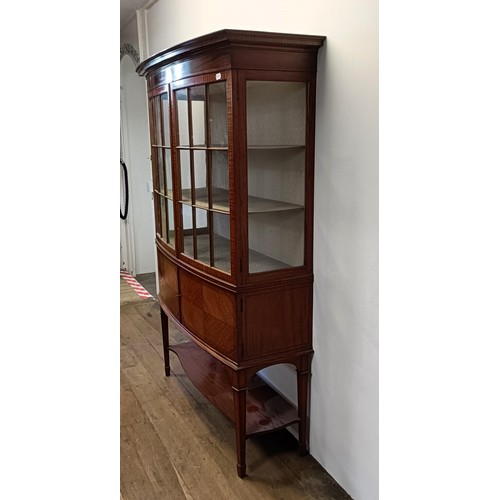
x: 232, y: 142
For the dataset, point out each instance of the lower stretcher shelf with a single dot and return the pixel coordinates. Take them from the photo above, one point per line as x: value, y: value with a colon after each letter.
x: 266, y: 409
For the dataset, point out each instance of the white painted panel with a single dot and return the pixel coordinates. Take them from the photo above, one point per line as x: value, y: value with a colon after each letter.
x: 136, y: 156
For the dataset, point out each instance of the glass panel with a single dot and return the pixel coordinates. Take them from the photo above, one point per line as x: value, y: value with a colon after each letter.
x: 197, y: 98
x: 202, y: 236
x: 276, y: 240
x: 168, y: 173
x: 166, y: 119
x: 161, y: 171
x: 171, y: 224
x: 187, y: 228
x: 156, y: 198
x: 185, y: 157
x: 217, y: 114
x: 276, y: 174
x: 200, y: 177
x: 276, y: 113
x: 220, y: 180
x: 209, y: 241
x: 182, y: 116
x: 163, y: 217
x: 157, y: 120
x: 222, y: 248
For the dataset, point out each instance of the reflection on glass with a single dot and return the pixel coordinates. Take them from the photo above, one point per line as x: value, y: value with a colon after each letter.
x: 171, y: 224
x: 202, y: 236
x: 197, y: 98
x: 182, y: 116
x: 221, y: 238
x: 201, y: 221
x: 161, y: 171
x: 185, y: 157
x: 204, y: 173
x: 217, y: 114
x: 163, y: 212
x: 276, y: 174
x: 168, y: 173
x: 220, y: 180
x: 157, y: 119
x: 166, y: 119
x: 200, y: 176
x: 187, y: 228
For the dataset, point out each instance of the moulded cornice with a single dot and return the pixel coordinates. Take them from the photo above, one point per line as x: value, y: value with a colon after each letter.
x: 129, y: 49
x: 225, y: 38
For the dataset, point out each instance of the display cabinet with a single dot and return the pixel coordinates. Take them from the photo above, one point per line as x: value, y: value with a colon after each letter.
x: 232, y: 145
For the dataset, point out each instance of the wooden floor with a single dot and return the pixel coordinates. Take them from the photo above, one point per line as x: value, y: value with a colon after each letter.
x: 175, y: 445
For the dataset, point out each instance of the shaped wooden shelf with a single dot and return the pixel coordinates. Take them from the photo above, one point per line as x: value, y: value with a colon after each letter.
x: 266, y: 410
x: 260, y: 262
x: 220, y: 202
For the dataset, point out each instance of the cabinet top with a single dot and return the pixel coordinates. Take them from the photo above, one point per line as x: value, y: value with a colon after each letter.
x: 230, y: 38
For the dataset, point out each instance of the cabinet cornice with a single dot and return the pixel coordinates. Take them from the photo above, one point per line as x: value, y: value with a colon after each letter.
x: 229, y: 38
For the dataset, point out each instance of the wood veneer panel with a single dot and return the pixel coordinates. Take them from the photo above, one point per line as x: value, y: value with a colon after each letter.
x: 169, y: 285
x: 266, y: 409
x: 209, y: 314
x: 276, y: 321
x: 192, y: 290
x: 219, y: 304
x: 192, y: 319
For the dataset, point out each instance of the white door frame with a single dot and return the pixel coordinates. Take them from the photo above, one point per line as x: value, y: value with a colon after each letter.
x: 127, y: 245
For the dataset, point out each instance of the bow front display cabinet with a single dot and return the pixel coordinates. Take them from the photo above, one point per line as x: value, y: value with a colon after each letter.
x: 232, y: 146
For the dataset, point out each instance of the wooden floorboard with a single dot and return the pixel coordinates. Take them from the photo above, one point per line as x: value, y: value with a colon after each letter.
x: 175, y: 445
x: 148, y: 281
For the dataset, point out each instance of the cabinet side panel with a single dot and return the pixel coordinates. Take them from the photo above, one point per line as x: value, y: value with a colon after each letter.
x: 277, y: 321
x: 169, y: 286
x: 208, y: 313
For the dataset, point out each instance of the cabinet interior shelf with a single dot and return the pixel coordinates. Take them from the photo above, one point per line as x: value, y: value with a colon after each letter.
x: 275, y: 146
x: 220, y: 202
x: 225, y: 148
x: 260, y: 262
x: 169, y: 194
x: 266, y: 409
x: 202, y: 147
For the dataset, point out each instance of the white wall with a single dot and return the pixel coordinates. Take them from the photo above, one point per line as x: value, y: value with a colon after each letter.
x: 136, y: 151
x: 344, y: 400
x: 128, y: 34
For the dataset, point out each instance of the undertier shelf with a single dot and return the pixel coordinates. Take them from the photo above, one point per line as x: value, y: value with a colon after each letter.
x: 220, y: 202
x: 266, y: 409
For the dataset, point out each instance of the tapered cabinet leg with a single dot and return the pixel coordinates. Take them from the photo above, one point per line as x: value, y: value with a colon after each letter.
x: 164, y: 331
x: 240, y: 420
x: 303, y: 397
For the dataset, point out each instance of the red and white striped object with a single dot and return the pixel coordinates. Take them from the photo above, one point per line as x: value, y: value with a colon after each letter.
x: 139, y: 289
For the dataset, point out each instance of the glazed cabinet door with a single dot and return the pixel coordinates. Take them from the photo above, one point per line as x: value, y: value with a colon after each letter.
x: 162, y: 168
x: 202, y: 152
